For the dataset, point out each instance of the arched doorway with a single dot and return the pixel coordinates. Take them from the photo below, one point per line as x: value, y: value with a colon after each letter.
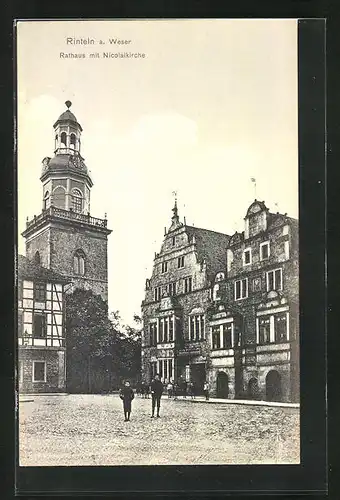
x: 222, y: 390
x: 253, y: 388
x: 273, y: 386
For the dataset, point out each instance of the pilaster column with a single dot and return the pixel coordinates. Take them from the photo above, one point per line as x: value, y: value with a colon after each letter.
x: 287, y: 325
x: 272, y: 329
x: 257, y: 330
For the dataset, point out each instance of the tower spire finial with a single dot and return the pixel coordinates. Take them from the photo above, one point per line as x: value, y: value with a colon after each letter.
x: 68, y: 104
x: 175, y: 209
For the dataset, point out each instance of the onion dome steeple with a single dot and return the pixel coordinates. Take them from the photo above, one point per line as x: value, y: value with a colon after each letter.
x: 65, y: 177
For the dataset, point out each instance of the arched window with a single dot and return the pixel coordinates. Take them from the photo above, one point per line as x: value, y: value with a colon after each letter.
x: 63, y: 140
x: 56, y: 142
x: 37, y: 258
x: 79, y: 263
x: 47, y: 200
x: 73, y: 141
x: 59, y: 197
x: 77, y: 200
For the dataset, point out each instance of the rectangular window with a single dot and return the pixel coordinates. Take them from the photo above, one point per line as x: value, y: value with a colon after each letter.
x: 170, y: 369
x: 39, y: 326
x: 264, y: 329
x: 280, y: 327
x: 241, y: 289
x: 172, y: 289
x: 216, y: 338
x: 157, y: 293
x: 166, y: 329
x: 202, y: 327
x: 247, y: 257
x: 39, y: 371
x: 198, y: 329
x: 227, y: 335
x: 264, y: 251
x: 161, y: 330
x: 173, y: 241
x: 171, y: 329
x: 153, y: 333
x: 192, y: 327
x: 20, y: 323
x: 40, y: 292
x: 164, y: 267
x: 274, y: 280
x: 180, y: 262
x: 187, y: 285
x: 20, y: 289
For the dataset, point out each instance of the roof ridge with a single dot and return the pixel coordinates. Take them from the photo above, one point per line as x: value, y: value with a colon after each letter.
x: 209, y: 230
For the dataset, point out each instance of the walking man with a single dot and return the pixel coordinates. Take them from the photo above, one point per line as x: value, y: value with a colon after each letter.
x: 156, y: 394
x: 206, y: 390
x: 126, y: 395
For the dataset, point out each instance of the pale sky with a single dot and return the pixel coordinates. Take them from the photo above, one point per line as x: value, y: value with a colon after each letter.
x: 212, y: 104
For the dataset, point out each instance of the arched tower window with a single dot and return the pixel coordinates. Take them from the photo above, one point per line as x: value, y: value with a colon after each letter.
x: 59, y: 197
x: 73, y: 141
x: 56, y: 142
x: 37, y: 258
x: 63, y: 140
x: 77, y: 200
x: 79, y: 263
x: 47, y: 200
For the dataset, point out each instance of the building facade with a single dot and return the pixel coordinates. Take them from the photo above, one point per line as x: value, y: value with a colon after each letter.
x: 224, y: 309
x: 41, y: 337
x: 64, y: 237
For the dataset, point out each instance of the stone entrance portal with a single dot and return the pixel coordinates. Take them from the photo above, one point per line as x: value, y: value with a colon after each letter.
x: 198, y: 376
x: 273, y: 386
x: 222, y: 390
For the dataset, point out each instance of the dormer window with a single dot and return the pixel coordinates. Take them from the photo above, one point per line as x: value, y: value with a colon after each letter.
x: 247, y: 256
x: 79, y: 263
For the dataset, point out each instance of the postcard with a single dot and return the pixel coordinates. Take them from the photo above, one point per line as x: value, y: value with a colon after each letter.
x: 158, y: 242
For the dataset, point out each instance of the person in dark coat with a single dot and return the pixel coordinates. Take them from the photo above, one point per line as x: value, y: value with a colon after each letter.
x: 156, y: 394
x: 126, y: 394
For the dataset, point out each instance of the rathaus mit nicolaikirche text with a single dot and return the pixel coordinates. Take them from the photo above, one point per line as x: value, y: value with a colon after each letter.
x: 224, y: 309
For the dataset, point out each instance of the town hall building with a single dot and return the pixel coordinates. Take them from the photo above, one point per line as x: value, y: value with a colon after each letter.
x: 224, y: 309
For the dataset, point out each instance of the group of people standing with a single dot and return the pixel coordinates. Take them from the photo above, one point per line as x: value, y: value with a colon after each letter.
x: 156, y: 389
x: 127, y: 395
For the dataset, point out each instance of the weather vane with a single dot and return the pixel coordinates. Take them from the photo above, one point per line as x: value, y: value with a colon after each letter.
x: 253, y: 180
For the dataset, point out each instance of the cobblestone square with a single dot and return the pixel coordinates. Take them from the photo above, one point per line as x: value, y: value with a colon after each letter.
x: 71, y: 430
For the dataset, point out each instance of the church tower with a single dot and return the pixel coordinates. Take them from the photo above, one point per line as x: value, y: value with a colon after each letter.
x: 65, y: 237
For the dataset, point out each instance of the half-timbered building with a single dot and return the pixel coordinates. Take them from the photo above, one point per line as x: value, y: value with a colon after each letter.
x: 41, y: 330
